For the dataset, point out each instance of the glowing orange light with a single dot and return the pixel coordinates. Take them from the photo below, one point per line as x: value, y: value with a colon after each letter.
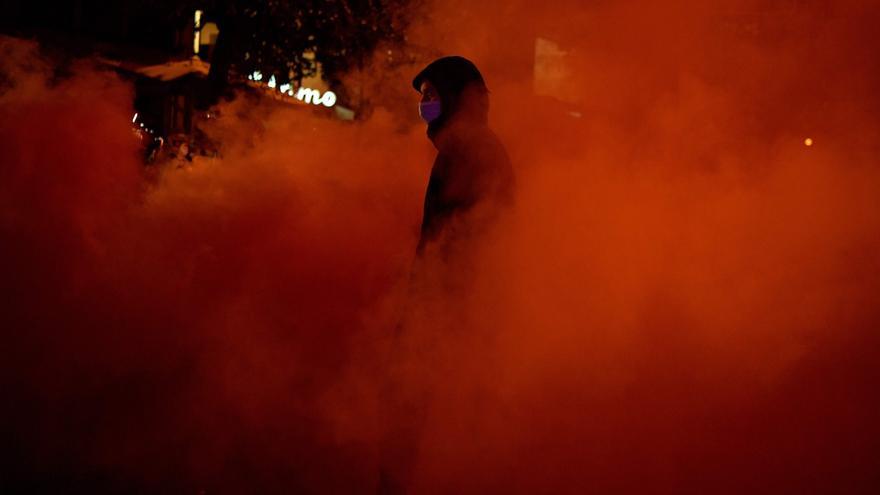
x: 808, y: 141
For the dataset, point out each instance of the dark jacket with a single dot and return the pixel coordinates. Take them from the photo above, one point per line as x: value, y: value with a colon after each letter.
x: 472, y: 179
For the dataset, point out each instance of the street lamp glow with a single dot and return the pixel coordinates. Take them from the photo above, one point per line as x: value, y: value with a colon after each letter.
x: 197, y: 24
x: 808, y: 142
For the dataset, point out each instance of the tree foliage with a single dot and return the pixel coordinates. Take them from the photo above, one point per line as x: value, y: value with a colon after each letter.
x: 290, y: 39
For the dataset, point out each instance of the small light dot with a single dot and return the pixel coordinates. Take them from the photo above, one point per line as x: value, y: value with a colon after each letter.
x: 808, y: 141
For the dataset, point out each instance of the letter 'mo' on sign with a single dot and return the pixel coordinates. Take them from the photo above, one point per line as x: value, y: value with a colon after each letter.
x: 313, y: 96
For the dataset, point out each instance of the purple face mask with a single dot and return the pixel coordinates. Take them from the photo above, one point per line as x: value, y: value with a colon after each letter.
x: 429, y: 111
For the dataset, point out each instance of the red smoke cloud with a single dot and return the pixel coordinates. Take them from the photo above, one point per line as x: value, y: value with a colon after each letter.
x: 684, y: 300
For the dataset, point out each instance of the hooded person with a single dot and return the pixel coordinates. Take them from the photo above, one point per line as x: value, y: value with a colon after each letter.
x: 471, y: 184
x: 472, y: 180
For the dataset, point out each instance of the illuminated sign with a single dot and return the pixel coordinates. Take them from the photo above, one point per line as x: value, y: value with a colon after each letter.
x: 306, y: 95
x: 328, y: 99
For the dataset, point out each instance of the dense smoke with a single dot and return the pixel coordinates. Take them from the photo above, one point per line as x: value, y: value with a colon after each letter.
x: 684, y: 300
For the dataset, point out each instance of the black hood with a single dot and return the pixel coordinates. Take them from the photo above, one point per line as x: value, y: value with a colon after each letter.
x: 463, y: 93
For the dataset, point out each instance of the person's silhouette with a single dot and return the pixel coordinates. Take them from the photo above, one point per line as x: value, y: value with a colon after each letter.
x: 472, y: 176
x: 471, y: 182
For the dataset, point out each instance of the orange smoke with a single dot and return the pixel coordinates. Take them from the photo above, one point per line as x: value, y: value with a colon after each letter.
x: 684, y: 300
